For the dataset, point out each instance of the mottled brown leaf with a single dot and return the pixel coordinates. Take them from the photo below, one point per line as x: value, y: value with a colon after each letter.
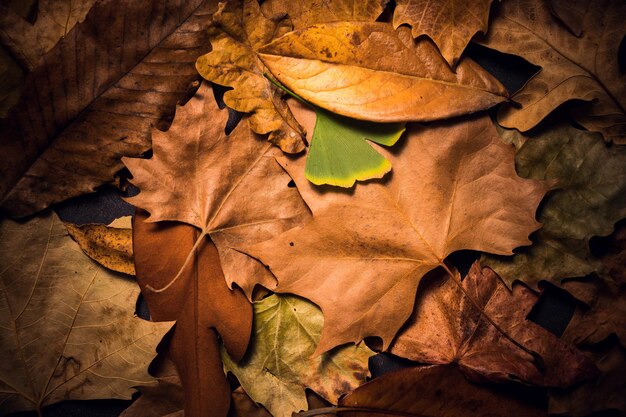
x: 303, y: 14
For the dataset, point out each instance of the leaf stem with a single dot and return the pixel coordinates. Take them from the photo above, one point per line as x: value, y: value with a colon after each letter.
x: 537, y: 359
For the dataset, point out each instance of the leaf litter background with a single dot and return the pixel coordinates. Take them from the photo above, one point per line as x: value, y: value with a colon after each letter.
x: 569, y: 214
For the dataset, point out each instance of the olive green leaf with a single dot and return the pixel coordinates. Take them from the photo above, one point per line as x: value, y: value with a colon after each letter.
x: 589, y: 198
x: 279, y: 364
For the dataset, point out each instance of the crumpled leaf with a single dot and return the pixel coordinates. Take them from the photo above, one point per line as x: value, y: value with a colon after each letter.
x: 94, y: 98
x: 364, y: 252
x: 280, y: 363
x: 434, y: 391
x: 369, y: 71
x: 588, y: 202
x: 573, y: 68
x: 447, y: 328
x: 67, y: 324
x: 449, y: 23
x: 339, y: 153
x: 304, y: 14
x: 240, y: 29
x: 111, y: 246
x: 202, y: 177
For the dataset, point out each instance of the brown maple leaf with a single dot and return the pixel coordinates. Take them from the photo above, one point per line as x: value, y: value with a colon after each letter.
x: 365, y: 251
x: 447, y: 328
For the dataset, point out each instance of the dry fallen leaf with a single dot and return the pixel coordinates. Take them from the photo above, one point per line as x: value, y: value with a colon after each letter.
x: 447, y: 328
x: 110, y: 246
x: 67, y: 324
x: 364, y: 252
x: 230, y: 187
x: 571, y: 13
x: 94, y: 98
x: 240, y: 28
x: 304, y: 14
x: 280, y: 364
x: 200, y: 302
x: 573, y: 68
x: 449, y: 23
x: 369, y: 71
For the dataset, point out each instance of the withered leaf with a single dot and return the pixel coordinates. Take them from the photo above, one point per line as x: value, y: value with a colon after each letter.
x: 573, y: 68
x: 571, y: 13
x: 94, y: 98
x: 200, y: 302
x: 239, y: 30
x: 280, y: 364
x: 369, y: 71
x: 364, y: 253
x: 447, y: 328
x: 67, y: 325
x: 304, y: 14
x: 449, y: 23
x: 202, y: 177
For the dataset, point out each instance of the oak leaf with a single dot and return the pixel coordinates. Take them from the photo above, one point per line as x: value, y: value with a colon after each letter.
x: 447, y: 328
x: 239, y: 30
x: 365, y: 251
x: 94, y: 97
x: 571, y: 13
x: 67, y: 325
x: 204, y: 178
x: 369, y: 71
x: 449, y: 23
x: 279, y: 364
x: 573, y: 68
x: 587, y: 202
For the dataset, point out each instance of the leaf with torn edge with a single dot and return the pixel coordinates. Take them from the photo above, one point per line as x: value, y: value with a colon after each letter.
x: 364, y: 252
x: 446, y: 328
x: 67, y: 324
x: 280, y: 363
x: 449, y: 23
x: 239, y: 29
x: 573, y: 68
x: 202, y: 177
x: 369, y: 71
x: 78, y: 107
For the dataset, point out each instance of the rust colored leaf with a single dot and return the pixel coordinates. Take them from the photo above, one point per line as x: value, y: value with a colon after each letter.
x: 240, y: 29
x: 449, y: 23
x: 573, y: 68
x: 94, y: 97
x: 369, y: 71
x: 304, y: 14
x: 446, y: 328
x: 364, y: 252
x: 229, y: 187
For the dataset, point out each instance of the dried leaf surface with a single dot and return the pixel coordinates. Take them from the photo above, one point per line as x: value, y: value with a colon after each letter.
x: 202, y: 177
x: 304, y: 14
x: 573, y: 68
x: 447, y: 328
x: 449, y: 23
x: 280, y: 363
x: 587, y: 202
x: 240, y: 29
x: 364, y: 252
x: 369, y: 71
x: 94, y: 95
x: 571, y: 13
x: 67, y: 324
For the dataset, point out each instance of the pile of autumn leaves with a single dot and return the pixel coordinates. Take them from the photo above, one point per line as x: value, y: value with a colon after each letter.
x: 278, y: 261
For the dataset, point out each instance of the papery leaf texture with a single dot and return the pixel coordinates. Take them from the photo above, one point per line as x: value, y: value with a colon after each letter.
x: 280, y: 364
x: 447, y: 328
x: 587, y: 202
x: 11, y: 77
x: 94, y: 97
x: 240, y: 28
x: 304, y: 14
x: 571, y: 13
x: 449, y: 23
x: 572, y: 68
x: 67, y: 324
x: 369, y: 71
x: 362, y: 255
x: 202, y: 177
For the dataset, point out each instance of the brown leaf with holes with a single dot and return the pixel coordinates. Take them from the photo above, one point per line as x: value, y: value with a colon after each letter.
x: 365, y: 251
x: 95, y: 96
x: 447, y: 328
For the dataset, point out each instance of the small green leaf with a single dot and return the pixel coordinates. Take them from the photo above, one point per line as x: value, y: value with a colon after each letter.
x: 339, y: 154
